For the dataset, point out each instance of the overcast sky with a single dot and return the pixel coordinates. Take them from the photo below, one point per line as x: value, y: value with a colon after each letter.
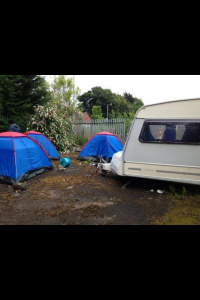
x: 150, y: 88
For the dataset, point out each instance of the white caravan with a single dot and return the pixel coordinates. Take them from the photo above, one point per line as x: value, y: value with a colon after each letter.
x: 163, y: 144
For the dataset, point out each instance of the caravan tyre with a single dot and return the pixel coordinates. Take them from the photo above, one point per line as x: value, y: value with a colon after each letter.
x: 103, y: 173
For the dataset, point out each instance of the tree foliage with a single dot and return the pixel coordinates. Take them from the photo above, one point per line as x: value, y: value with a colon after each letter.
x: 58, y: 128
x: 64, y: 92
x: 122, y: 106
x: 18, y: 95
x: 97, y: 113
x: 136, y: 103
x: 55, y: 118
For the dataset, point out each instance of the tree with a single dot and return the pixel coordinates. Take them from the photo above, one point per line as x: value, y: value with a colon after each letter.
x: 64, y: 93
x: 18, y: 95
x: 97, y: 113
x: 55, y: 118
x: 136, y: 103
x: 96, y: 97
x: 57, y: 127
x: 122, y: 106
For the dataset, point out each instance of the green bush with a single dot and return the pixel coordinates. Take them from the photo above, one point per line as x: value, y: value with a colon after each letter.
x: 80, y: 140
x: 58, y: 128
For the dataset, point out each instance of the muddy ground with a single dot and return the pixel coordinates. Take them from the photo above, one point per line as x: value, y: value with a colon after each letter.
x: 80, y: 196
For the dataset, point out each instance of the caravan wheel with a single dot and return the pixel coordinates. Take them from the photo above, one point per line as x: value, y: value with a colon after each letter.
x: 103, y: 173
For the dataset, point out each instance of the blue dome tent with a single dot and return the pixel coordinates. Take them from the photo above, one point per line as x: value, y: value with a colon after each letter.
x: 21, y: 158
x: 103, y: 144
x: 46, y: 144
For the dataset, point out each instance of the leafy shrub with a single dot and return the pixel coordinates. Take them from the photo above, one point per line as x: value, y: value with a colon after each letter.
x: 53, y: 124
x: 80, y: 140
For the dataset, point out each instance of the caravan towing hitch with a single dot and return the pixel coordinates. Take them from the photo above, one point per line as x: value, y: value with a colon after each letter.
x: 104, y: 167
x: 101, y: 167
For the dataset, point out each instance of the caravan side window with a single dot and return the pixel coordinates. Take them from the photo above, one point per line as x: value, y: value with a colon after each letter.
x: 173, y: 132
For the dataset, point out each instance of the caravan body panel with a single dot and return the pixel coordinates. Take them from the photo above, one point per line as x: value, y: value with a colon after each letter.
x: 171, y: 154
x: 171, y: 161
x: 163, y: 172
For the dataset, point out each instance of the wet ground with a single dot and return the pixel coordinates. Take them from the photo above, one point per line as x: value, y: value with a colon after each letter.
x: 80, y: 196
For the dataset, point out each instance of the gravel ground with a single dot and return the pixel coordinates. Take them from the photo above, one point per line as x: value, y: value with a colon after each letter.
x: 80, y: 196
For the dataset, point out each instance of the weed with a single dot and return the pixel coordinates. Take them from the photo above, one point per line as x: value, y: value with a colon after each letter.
x: 184, y: 192
x: 81, y: 140
x: 172, y: 190
x: 181, y: 194
x: 89, y: 161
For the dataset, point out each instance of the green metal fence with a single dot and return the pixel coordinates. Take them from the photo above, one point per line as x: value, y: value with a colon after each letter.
x: 89, y: 128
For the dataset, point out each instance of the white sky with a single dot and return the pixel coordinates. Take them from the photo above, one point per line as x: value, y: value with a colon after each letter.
x: 150, y: 88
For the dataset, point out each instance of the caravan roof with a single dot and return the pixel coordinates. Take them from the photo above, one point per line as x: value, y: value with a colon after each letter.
x: 182, y: 109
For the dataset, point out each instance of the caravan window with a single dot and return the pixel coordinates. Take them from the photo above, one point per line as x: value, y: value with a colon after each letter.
x: 171, y: 132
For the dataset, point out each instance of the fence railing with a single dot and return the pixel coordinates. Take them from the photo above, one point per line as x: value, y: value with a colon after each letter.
x: 89, y: 128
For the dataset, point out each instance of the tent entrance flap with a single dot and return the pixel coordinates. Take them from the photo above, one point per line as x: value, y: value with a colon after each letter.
x: 94, y: 147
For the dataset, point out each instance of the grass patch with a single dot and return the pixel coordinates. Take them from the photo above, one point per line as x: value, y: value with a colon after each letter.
x: 185, y: 213
x: 185, y: 209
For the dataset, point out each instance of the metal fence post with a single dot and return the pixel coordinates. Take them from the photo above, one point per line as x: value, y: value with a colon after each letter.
x: 91, y: 129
